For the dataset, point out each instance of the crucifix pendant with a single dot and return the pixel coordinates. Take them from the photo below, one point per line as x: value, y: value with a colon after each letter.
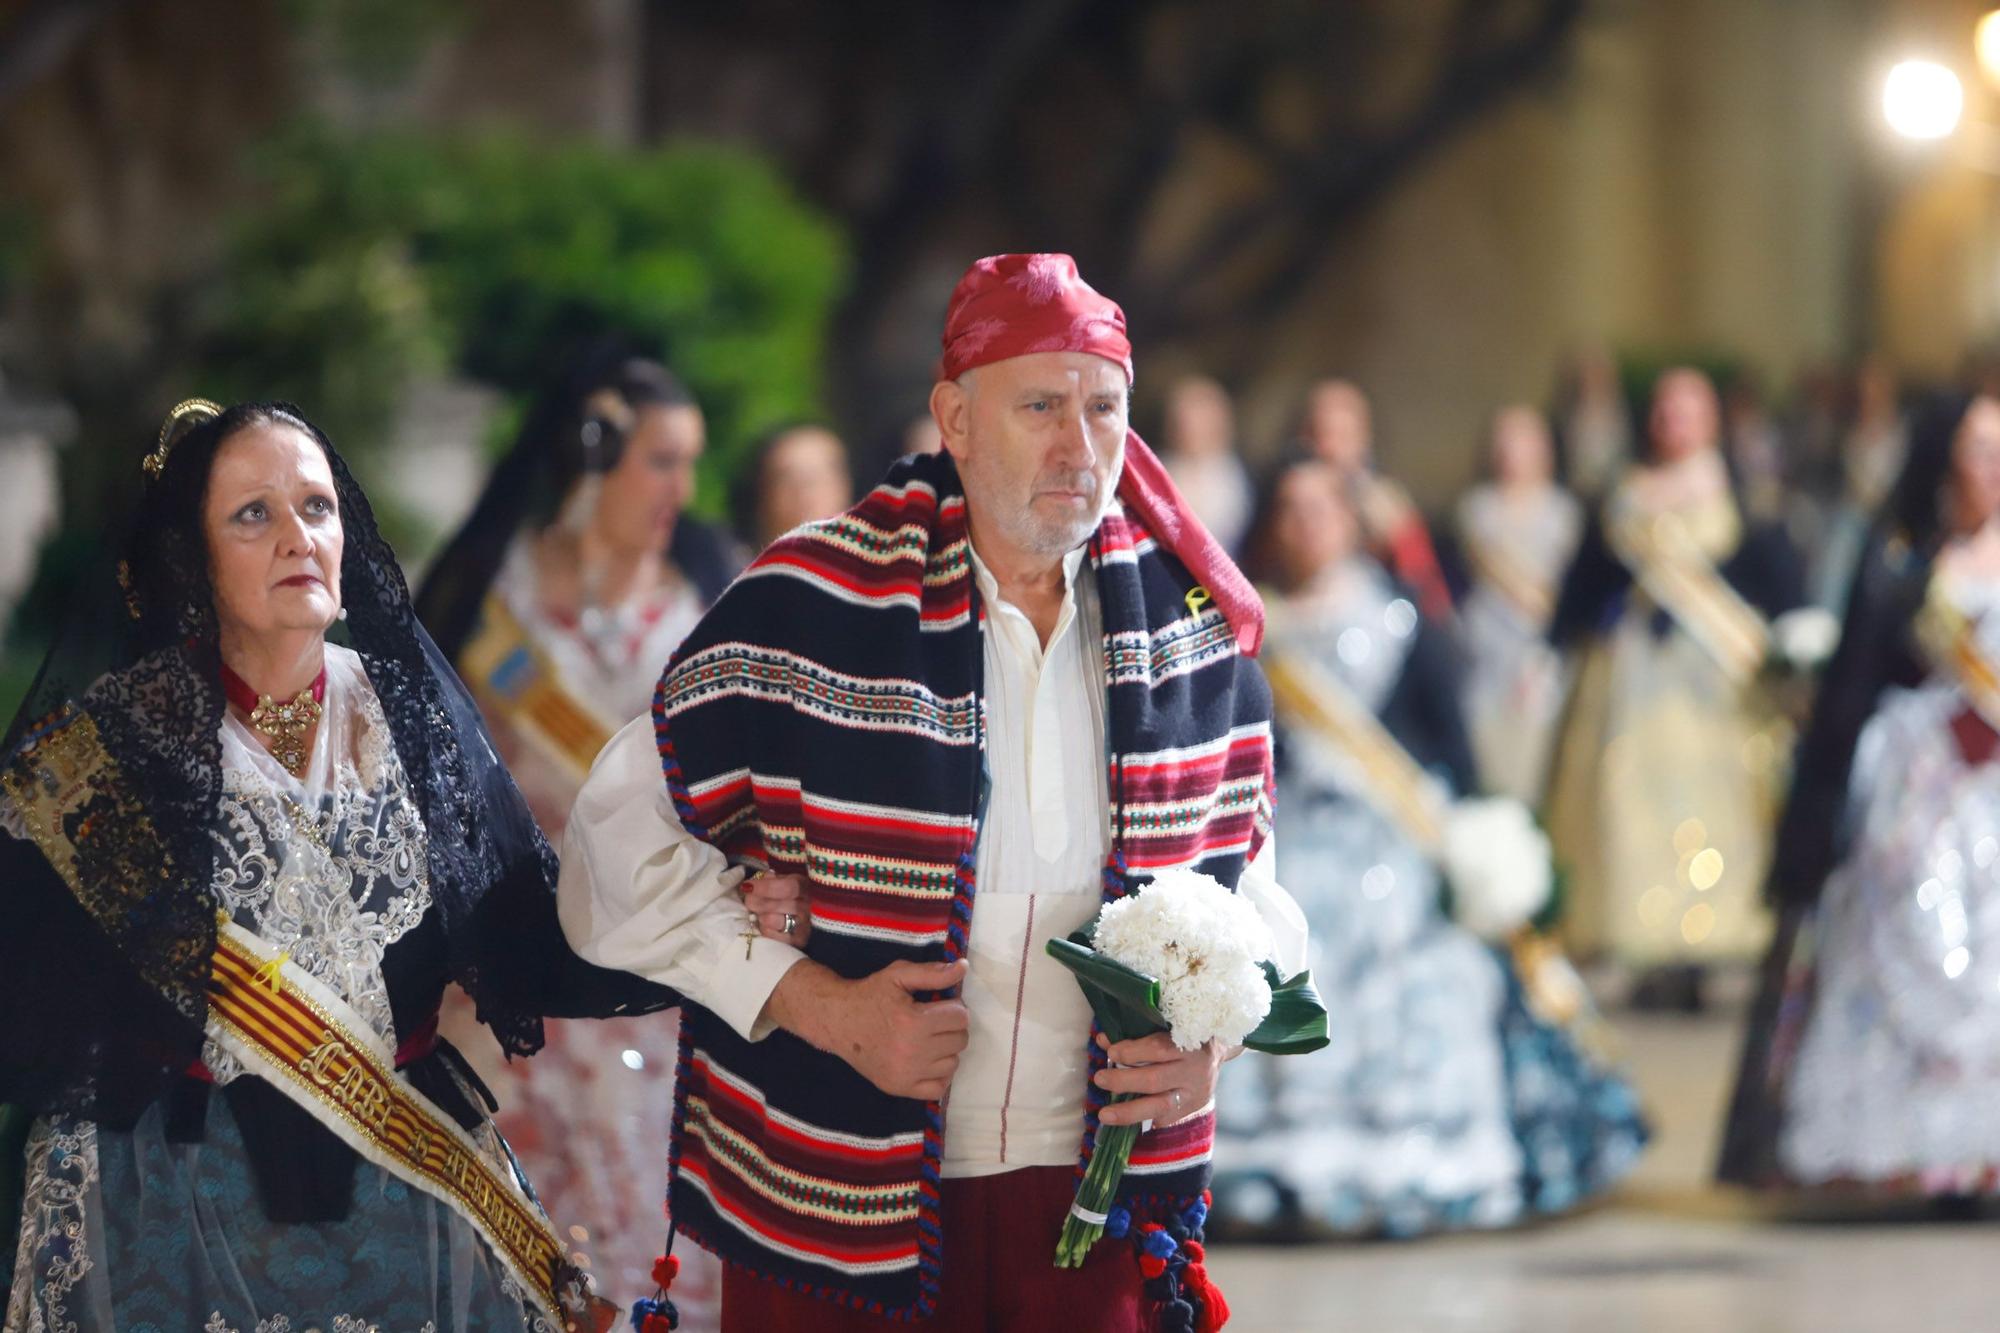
x: 749, y: 937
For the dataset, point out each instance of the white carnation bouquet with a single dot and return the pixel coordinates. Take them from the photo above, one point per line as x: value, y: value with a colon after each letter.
x: 1187, y: 957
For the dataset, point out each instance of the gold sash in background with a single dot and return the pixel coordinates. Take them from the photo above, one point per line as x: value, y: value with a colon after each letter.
x: 515, y: 679
x: 1950, y: 640
x: 1512, y: 579
x: 1395, y: 784
x: 1670, y: 565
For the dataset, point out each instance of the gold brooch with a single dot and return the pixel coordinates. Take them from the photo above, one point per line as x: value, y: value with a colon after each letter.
x: 287, y: 724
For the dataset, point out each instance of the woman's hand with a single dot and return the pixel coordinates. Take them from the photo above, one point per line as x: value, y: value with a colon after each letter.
x: 782, y: 906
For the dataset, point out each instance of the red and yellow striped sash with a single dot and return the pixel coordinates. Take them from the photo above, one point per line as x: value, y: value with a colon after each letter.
x: 305, y: 1041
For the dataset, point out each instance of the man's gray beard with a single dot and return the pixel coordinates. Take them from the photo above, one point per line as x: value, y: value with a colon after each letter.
x: 1058, y: 539
x: 1050, y: 539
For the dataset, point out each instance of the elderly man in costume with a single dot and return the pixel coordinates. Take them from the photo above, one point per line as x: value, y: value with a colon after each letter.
x: 1011, y: 684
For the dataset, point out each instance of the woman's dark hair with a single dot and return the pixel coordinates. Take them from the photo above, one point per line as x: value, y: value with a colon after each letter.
x: 1913, y: 510
x: 583, y: 424
x: 1259, y: 561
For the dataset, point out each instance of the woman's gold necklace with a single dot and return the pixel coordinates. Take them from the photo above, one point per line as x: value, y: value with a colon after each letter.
x: 288, y: 724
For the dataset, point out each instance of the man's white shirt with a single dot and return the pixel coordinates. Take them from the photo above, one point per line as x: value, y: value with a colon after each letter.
x: 638, y: 892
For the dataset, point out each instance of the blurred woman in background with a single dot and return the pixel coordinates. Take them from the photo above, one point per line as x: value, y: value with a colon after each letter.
x: 1873, y: 1055
x: 1449, y: 1097
x: 1200, y: 455
x: 1594, y: 421
x: 1339, y: 430
x: 798, y: 473
x: 1666, y: 771
x: 560, y: 601
x: 1518, y: 531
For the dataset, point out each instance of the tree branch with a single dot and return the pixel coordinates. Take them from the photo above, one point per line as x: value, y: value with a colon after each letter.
x: 1342, y: 183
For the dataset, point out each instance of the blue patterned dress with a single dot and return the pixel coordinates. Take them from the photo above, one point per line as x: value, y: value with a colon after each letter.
x: 1443, y: 1101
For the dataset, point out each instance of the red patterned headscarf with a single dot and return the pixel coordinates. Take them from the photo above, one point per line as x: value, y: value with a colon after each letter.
x: 1017, y: 305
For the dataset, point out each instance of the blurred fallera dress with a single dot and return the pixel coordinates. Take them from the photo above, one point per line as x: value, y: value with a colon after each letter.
x: 589, y: 1117
x: 1514, y: 680
x: 1446, y: 1100
x: 1669, y: 761
x: 1873, y: 1056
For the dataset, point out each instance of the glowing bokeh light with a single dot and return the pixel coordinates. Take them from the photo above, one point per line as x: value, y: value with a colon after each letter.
x: 1922, y: 100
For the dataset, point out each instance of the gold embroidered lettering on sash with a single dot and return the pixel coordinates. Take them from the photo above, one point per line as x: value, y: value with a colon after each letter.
x: 354, y: 1090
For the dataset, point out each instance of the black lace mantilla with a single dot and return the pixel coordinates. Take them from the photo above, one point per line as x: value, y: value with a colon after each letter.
x: 114, y: 777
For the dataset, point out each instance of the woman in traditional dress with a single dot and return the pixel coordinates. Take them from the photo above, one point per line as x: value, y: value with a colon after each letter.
x: 1518, y: 531
x: 1857, y: 483
x: 560, y: 601
x: 1874, y: 1051
x: 254, y: 826
x: 1449, y: 1097
x: 1668, y: 762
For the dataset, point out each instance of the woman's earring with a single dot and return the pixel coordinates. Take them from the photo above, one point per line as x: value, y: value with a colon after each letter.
x: 340, y: 614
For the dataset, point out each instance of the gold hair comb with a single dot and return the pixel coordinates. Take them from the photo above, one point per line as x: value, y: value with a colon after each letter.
x: 189, y: 411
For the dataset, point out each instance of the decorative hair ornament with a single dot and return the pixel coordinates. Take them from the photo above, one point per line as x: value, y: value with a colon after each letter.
x: 186, y: 414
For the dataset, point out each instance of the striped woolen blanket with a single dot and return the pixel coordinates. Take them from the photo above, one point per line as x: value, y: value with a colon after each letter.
x: 825, y: 719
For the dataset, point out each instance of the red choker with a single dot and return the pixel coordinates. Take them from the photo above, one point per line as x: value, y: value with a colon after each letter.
x: 287, y: 724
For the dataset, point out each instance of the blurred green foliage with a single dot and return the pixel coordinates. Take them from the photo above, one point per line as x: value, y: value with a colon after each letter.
x: 377, y: 258
x: 370, y: 260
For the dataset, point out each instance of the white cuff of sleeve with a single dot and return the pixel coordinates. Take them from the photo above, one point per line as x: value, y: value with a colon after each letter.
x: 736, y: 988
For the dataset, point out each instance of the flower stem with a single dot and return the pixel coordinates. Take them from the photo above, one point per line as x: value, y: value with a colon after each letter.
x: 1100, y: 1186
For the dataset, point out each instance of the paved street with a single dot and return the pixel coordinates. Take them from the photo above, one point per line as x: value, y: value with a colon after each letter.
x: 1668, y: 1253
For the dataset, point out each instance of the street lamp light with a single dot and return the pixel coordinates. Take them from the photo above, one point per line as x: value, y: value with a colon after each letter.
x: 1922, y: 100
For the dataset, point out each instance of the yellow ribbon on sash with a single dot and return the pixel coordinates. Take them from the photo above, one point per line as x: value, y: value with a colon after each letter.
x: 1397, y: 786
x: 1392, y: 780
x: 1498, y: 568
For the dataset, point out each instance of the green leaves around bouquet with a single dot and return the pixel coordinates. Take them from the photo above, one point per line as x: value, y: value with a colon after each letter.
x: 1296, y: 1024
x: 1126, y: 1002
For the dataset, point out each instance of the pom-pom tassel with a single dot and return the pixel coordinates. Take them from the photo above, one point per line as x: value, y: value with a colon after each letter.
x: 1198, y: 1287
x: 656, y: 1313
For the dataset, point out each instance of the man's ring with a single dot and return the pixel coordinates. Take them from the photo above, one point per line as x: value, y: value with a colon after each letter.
x: 791, y: 923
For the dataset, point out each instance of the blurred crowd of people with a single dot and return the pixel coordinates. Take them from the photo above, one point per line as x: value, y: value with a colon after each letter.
x: 1624, y: 624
